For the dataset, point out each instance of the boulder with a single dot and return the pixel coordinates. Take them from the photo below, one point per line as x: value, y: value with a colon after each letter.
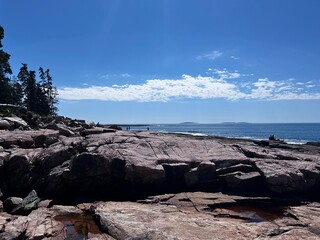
x: 242, y: 182
x: 11, y: 203
x: 206, y: 172
x: 29, y: 203
x: 44, y: 140
x: 37, y: 225
x: 16, y: 122
x: 52, y: 157
x: 16, y: 171
x: 4, y: 124
x: 115, y: 127
x: 21, y: 206
x: 290, y: 177
x: 63, y: 129
x: 65, y: 132
x: 96, y: 130
x: 45, y: 203
x: 27, y: 139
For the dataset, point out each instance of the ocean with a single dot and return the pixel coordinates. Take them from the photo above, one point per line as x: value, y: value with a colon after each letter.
x: 296, y: 133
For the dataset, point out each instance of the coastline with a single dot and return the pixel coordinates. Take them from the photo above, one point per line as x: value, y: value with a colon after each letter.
x: 50, y: 164
x: 292, y: 133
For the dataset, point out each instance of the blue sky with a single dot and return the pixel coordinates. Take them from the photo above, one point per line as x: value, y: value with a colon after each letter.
x: 170, y: 61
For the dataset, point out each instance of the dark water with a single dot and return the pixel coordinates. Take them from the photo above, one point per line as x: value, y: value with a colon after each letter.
x: 289, y: 132
x: 78, y: 226
x: 259, y: 213
x: 256, y: 212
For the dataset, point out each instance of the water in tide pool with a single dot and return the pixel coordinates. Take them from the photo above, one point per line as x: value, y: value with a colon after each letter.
x: 290, y: 132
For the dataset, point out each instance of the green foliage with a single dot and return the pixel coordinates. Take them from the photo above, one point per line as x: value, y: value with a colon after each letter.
x: 5, y: 87
x: 1, y: 35
x: 39, y: 97
x: 49, y: 90
x: 17, y: 93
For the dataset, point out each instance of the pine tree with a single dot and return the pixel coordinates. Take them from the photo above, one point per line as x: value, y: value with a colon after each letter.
x: 5, y: 69
x: 52, y: 94
x: 28, y: 82
x: 49, y: 90
x: 42, y: 107
x: 24, y: 90
x: 17, y: 92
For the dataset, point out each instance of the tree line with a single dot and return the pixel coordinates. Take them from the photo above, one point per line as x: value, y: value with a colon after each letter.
x: 24, y: 89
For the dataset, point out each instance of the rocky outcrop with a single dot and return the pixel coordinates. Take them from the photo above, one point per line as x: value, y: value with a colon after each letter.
x: 108, y: 162
x: 71, y: 161
x: 208, y: 216
x: 58, y: 222
x: 183, y: 216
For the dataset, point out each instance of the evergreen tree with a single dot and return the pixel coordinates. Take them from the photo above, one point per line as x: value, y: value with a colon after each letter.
x: 42, y: 107
x: 17, y: 92
x: 24, y: 90
x: 52, y: 94
x: 49, y: 90
x: 5, y: 69
x: 29, y: 86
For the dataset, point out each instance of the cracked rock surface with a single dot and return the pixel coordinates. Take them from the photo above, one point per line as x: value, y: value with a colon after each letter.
x: 202, y: 187
x: 137, y: 163
x: 182, y: 216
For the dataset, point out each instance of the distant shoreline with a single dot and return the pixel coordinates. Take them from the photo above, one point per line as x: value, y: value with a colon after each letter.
x: 296, y: 133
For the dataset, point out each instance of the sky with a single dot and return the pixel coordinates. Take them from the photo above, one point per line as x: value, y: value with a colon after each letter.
x: 171, y: 61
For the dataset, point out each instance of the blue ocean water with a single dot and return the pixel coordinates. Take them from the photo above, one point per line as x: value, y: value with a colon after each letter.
x: 290, y: 132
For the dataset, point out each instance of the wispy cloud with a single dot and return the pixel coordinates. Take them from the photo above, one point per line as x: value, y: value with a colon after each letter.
x: 225, y: 74
x: 211, y: 55
x: 234, y: 57
x: 125, y: 75
x: 110, y: 76
x: 223, y: 84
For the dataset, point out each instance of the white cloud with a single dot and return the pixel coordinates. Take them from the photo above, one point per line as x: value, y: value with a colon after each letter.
x: 226, y: 85
x: 225, y: 74
x: 125, y: 75
x: 234, y: 57
x: 158, y: 90
x: 311, y: 86
x: 211, y: 56
x: 297, y: 96
x: 109, y: 76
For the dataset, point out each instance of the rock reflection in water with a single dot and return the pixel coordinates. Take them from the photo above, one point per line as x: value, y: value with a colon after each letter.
x: 78, y: 226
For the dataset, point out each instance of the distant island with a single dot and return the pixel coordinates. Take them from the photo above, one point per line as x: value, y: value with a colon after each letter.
x: 188, y: 123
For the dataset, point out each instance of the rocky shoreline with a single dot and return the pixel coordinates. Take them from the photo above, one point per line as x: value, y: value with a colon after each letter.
x: 112, y: 184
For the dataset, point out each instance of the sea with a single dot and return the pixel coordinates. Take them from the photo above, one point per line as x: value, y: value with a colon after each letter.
x: 294, y: 133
